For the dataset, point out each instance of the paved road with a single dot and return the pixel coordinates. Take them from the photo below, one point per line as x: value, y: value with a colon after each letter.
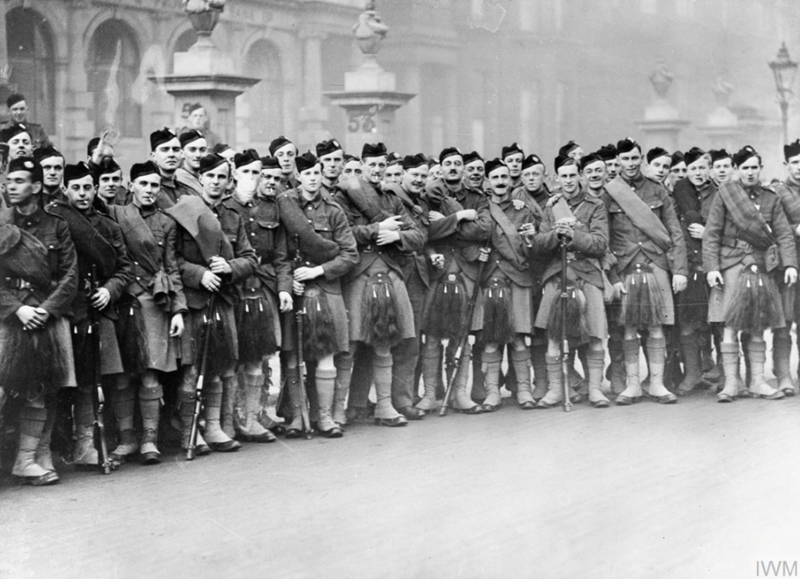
x: 697, y: 489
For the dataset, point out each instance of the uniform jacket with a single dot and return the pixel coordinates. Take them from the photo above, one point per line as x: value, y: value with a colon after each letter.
x: 790, y: 199
x: 689, y: 198
x: 53, y: 232
x: 504, y: 252
x: 416, y: 264
x: 171, y: 191
x: 720, y: 247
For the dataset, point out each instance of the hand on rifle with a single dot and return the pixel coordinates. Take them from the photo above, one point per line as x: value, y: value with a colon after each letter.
x: 484, y: 255
x: 679, y: 283
x: 176, y: 325
x: 437, y: 261
x: 386, y: 237
x: 392, y: 223
x: 435, y: 216
x: 219, y: 265
x: 285, y: 300
x: 467, y: 215
x: 304, y: 273
x: 31, y: 317
x: 101, y: 298
x: 714, y: 279
x: 298, y: 288
x: 790, y: 276
x: 210, y: 281
x: 565, y: 229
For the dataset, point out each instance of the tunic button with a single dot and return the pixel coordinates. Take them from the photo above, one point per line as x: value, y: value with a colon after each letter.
x: 138, y: 277
x: 252, y: 220
x: 253, y: 235
x: 640, y: 243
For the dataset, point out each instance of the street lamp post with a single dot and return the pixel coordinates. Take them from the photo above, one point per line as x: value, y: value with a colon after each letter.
x: 784, y: 69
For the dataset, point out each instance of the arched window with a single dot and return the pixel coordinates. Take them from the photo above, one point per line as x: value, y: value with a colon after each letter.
x: 265, y: 99
x: 112, y: 66
x: 30, y: 53
x: 185, y: 42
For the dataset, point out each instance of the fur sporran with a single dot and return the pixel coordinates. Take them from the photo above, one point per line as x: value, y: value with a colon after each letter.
x: 642, y: 304
x: 498, y: 321
x: 755, y: 305
x: 221, y: 351
x: 380, y: 321
x: 255, y: 325
x: 319, y: 329
x: 577, y: 321
x: 33, y: 361
x: 446, y: 311
x: 131, y: 335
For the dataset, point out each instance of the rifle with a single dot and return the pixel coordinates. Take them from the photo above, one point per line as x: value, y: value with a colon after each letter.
x: 191, y: 449
x: 299, y: 313
x: 564, y: 339
x: 104, y: 461
x: 463, y: 339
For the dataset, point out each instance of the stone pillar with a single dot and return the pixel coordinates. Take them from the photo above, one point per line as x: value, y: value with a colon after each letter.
x: 313, y: 114
x: 722, y: 124
x: 662, y: 123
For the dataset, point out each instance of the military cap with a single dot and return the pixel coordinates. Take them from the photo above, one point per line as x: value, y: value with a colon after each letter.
x: 719, y: 154
x: 373, y: 150
x: 417, y: 160
x: 140, y: 169
x: 588, y: 159
x: 348, y: 158
x: 627, y: 144
x: 791, y: 150
x: 328, y: 147
x: 277, y: 143
x: 189, y: 136
x: 472, y: 157
x: 531, y: 160
x: 743, y: 155
x: 76, y: 171
x: 305, y: 161
x: 221, y: 148
x: 12, y: 131
x: 432, y: 162
x: 161, y: 136
x: 42, y: 153
x: 194, y: 106
x: 28, y: 164
x: 270, y: 163
x: 107, y: 166
x: 94, y: 142
x: 246, y: 158
x: 693, y: 155
x: 449, y: 152
x: 562, y: 160
x: 210, y: 162
x: 493, y: 165
x: 510, y: 150
x: 607, y: 152
x: 568, y: 148
x: 393, y: 159
x: 657, y: 152
x: 13, y: 99
x: 678, y: 157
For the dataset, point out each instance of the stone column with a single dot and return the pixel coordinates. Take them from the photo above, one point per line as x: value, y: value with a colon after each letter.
x: 313, y: 114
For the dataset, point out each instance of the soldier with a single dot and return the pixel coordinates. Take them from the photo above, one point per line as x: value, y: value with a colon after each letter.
x: 512, y: 155
x: 677, y: 170
x: 578, y: 220
x: 151, y: 313
x: 646, y: 239
x: 474, y: 171
x: 381, y: 315
x: 658, y: 165
x: 18, y: 138
x: 40, y: 277
x: 261, y: 296
x: 109, y: 183
x: 331, y: 156
x: 321, y: 241
x: 284, y: 151
x: 608, y: 153
x: 193, y: 148
x: 746, y: 243
x: 52, y: 162
x: 464, y: 227
x: 789, y: 192
x: 18, y: 113
x: 104, y: 272
x: 198, y: 121
x: 721, y: 166
x: 571, y: 149
x: 693, y: 197
x: 270, y: 177
x: 352, y: 166
x: 533, y: 189
x: 213, y: 255
x: 394, y: 169
x: 165, y: 152
x: 504, y: 310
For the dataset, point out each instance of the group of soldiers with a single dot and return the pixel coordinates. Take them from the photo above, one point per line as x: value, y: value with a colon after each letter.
x: 375, y: 271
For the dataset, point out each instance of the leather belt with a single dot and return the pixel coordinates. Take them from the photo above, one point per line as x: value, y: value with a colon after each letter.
x: 18, y: 283
x: 736, y: 243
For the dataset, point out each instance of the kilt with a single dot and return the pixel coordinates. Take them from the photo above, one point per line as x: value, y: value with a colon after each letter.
x: 193, y: 325
x: 417, y: 293
x: 720, y: 299
x: 338, y: 311
x: 354, y: 300
x: 595, y: 307
x: 469, y: 286
x: 691, y: 305
x: 162, y: 351
x: 665, y: 288
x: 521, y: 305
x: 110, y: 357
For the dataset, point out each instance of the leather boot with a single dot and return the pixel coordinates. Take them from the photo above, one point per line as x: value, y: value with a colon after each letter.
x: 84, y: 456
x: 491, y: 362
x: 216, y: 438
x: 123, y: 401
x: 31, y: 426
x: 575, y: 378
x: 692, y: 371
x: 657, y: 354
x: 431, y: 366
x: 781, y: 354
x: 404, y: 361
x: 757, y: 355
x: 616, y: 368
x: 633, y: 388
x: 594, y: 364
x: 555, y: 388
x: 521, y: 361
x: 230, y: 393
x: 478, y: 393
x: 295, y: 428
x: 460, y: 400
x: 325, y: 381
x: 385, y: 414
x: 44, y: 454
x: 186, y: 405
x: 581, y: 354
x: 539, y: 363
x: 344, y: 372
x: 729, y: 353
x: 150, y: 408
x: 744, y: 387
x: 252, y: 429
